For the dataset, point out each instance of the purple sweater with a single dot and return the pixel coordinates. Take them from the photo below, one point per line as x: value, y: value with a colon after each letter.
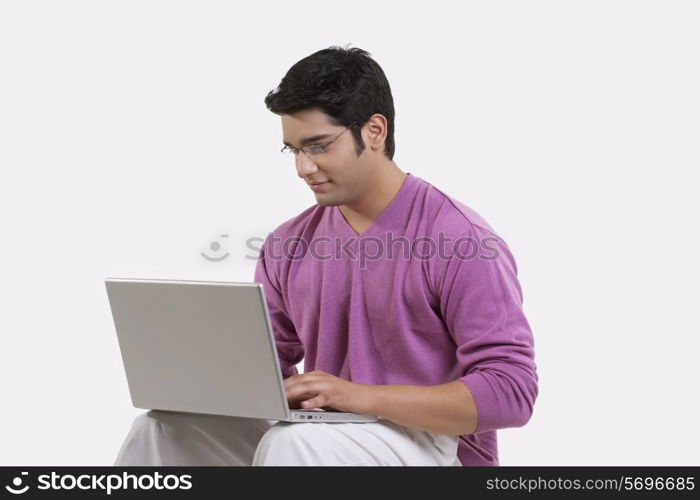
x: 428, y: 294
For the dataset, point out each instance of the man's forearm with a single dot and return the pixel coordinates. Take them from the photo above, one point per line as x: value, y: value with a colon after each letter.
x: 446, y: 408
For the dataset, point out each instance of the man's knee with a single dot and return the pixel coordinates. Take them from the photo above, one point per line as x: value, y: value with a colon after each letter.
x: 283, y: 441
x: 143, y: 420
x: 286, y: 433
x: 171, y: 418
x: 289, y: 443
x: 147, y: 419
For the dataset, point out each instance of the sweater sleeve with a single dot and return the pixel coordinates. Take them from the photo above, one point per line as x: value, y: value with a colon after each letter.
x: 289, y: 348
x: 481, y: 303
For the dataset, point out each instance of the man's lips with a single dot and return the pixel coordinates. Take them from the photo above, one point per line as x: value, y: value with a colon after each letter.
x: 318, y: 185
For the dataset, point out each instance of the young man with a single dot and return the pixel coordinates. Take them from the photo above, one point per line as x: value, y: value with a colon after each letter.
x: 402, y: 302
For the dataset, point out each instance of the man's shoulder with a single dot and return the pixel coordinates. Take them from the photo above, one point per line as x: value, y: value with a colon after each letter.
x: 455, y: 218
x: 461, y: 230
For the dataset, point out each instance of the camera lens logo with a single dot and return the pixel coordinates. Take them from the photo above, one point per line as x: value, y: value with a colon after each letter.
x: 17, y: 483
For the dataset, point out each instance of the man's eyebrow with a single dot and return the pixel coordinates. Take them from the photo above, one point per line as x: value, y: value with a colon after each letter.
x: 308, y: 140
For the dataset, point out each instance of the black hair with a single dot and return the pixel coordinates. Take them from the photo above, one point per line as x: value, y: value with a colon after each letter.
x: 345, y: 83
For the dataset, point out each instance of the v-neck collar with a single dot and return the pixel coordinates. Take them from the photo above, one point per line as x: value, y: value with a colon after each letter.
x: 384, y: 217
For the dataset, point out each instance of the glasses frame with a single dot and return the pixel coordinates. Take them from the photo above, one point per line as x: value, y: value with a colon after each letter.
x: 314, y: 149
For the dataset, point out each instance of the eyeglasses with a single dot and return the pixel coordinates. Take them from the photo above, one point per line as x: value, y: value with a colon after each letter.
x: 314, y: 149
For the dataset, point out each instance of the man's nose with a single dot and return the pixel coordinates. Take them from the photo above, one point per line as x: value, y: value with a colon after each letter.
x: 304, y: 165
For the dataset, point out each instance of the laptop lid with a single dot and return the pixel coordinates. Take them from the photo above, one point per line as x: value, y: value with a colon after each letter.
x: 198, y: 346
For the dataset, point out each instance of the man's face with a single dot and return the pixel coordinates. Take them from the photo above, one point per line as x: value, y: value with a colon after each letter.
x: 345, y: 174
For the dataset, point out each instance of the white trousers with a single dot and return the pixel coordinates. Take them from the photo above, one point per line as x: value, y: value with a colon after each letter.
x: 162, y: 438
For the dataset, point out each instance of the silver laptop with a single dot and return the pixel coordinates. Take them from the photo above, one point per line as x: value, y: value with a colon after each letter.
x: 203, y: 347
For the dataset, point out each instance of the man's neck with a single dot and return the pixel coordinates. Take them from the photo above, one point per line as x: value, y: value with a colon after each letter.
x: 387, y: 183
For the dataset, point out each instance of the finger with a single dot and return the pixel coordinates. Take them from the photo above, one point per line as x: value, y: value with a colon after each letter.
x: 298, y: 395
x: 315, y: 402
x: 298, y: 379
x: 291, y: 380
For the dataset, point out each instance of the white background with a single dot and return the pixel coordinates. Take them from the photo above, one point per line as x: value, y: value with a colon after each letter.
x: 133, y: 134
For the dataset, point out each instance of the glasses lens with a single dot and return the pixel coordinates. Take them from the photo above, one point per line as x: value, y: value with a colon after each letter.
x: 314, y: 150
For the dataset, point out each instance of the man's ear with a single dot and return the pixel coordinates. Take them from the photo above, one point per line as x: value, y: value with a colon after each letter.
x: 377, y: 130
